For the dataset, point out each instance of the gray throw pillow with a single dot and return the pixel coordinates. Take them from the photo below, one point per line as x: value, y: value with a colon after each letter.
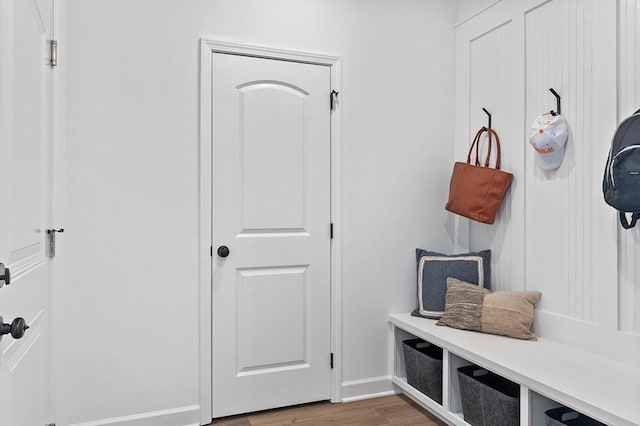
x: 434, y: 269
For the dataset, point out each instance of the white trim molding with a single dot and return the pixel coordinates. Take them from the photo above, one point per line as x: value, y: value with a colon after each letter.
x: 187, y: 416
x: 373, y: 387
x: 207, y: 47
x: 476, y: 13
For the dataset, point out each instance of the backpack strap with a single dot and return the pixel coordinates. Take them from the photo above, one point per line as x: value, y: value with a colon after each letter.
x: 634, y: 218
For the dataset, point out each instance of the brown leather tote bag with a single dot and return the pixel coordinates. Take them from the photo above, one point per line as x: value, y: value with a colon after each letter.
x: 476, y: 191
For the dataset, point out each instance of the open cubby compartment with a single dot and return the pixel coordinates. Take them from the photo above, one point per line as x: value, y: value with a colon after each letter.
x: 538, y: 404
x: 399, y: 371
x: 399, y: 336
x: 499, y: 397
x: 455, y: 402
x: 423, y: 370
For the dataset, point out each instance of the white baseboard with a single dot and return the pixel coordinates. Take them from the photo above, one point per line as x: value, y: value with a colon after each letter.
x: 183, y: 416
x: 373, y: 387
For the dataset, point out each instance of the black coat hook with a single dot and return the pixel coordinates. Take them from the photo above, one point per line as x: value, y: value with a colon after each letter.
x: 558, y: 110
x: 489, y: 115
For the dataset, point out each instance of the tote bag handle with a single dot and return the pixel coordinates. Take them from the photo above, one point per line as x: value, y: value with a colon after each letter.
x: 476, y: 144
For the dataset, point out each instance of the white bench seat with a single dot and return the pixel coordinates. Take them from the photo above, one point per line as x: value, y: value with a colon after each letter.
x: 606, y: 390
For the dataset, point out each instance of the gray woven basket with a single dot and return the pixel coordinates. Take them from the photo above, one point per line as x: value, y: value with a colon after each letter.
x: 566, y: 416
x: 423, y: 362
x: 488, y: 399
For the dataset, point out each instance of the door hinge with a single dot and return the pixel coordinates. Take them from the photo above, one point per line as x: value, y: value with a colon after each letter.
x: 333, y: 99
x: 331, y: 231
x: 211, y: 251
x: 332, y: 360
x: 53, y: 53
x: 51, y: 236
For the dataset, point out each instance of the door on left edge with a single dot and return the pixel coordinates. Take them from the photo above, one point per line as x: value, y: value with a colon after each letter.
x: 25, y: 211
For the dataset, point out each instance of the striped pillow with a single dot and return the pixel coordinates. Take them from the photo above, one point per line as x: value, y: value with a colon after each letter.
x: 507, y: 313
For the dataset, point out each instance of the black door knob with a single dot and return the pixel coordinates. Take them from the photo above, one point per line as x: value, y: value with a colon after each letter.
x: 5, y: 275
x: 223, y: 251
x: 17, y: 328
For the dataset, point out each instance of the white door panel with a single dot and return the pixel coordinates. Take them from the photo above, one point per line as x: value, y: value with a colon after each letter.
x: 273, y: 190
x: 271, y: 199
x: 25, y: 203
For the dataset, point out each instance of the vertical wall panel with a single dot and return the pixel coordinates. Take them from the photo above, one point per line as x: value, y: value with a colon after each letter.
x: 561, y: 246
x: 629, y: 102
x: 492, y: 86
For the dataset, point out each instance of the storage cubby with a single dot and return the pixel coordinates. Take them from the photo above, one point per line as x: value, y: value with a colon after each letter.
x: 488, y: 399
x: 423, y: 372
x: 423, y: 364
x: 399, y: 336
x: 539, y: 371
x: 541, y: 404
x: 538, y: 405
x: 455, y: 403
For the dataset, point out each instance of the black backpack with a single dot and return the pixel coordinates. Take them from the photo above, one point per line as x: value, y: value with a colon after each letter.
x: 621, y: 183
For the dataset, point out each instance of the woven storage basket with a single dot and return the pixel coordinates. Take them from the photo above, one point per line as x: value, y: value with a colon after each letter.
x: 566, y: 416
x: 488, y: 399
x: 423, y: 362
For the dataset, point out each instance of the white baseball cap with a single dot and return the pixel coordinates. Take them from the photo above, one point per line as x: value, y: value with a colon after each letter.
x: 548, y: 136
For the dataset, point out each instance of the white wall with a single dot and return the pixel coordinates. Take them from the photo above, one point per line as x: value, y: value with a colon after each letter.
x: 555, y: 234
x: 128, y: 316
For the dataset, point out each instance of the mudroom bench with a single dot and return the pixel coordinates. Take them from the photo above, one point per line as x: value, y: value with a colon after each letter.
x: 549, y: 373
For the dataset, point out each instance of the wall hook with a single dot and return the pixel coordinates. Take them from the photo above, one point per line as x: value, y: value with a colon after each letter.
x: 558, y: 110
x: 489, y: 115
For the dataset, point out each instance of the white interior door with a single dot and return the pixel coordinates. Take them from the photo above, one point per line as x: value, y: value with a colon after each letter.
x: 271, y: 209
x: 25, y: 201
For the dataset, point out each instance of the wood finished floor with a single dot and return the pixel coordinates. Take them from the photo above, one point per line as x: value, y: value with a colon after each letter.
x: 397, y: 410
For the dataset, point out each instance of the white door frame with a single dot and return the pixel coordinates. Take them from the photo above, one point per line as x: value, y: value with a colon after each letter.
x: 206, y: 208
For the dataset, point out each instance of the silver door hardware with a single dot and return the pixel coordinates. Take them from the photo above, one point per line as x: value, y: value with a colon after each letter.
x: 5, y: 275
x: 17, y: 328
x: 333, y: 99
x: 51, y: 234
x: 53, y: 53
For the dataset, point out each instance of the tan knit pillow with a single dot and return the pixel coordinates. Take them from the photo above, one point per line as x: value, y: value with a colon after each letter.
x: 508, y: 313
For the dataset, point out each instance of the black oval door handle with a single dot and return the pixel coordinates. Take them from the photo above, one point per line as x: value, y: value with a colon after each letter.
x: 17, y: 328
x: 223, y: 251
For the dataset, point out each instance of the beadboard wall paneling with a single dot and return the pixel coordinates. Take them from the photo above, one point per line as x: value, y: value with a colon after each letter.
x: 562, y: 249
x: 554, y: 233
x: 629, y: 102
x: 491, y: 86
